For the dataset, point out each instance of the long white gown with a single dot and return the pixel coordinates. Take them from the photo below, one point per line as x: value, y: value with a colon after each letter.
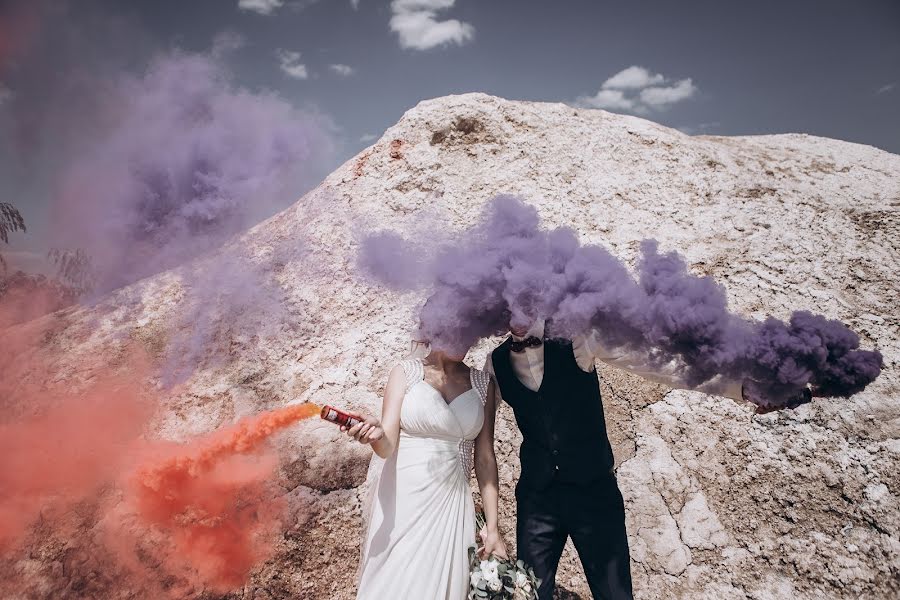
x: 422, y: 519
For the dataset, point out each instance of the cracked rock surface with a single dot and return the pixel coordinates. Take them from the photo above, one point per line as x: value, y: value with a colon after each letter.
x: 720, y: 503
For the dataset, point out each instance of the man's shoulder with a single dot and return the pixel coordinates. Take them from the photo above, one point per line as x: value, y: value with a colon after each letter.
x: 558, y: 342
x: 502, y: 346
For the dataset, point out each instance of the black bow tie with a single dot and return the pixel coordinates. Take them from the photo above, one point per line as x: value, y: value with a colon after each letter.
x: 529, y: 342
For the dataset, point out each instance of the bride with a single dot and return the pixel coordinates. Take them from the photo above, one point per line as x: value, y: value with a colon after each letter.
x: 422, y: 516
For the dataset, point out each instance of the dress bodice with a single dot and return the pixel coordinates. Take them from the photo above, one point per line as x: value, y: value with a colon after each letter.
x: 425, y: 413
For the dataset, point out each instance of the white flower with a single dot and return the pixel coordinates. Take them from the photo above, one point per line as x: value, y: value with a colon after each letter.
x: 494, y: 582
x: 489, y: 570
x: 521, y: 580
x: 475, y: 578
x: 488, y: 566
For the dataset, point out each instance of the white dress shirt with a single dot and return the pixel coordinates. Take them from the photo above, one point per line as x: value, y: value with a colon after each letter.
x: 528, y: 365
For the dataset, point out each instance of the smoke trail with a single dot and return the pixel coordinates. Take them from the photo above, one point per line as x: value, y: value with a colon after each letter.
x: 78, y: 466
x: 507, y: 270
x: 213, y: 502
x: 149, y: 159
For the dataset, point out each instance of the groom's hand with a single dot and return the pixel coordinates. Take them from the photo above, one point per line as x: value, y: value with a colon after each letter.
x: 366, y: 432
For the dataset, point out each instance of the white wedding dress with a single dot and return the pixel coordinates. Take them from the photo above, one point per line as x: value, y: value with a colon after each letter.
x: 421, y: 519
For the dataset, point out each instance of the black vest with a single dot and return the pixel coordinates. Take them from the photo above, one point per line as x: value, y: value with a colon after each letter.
x: 562, y: 423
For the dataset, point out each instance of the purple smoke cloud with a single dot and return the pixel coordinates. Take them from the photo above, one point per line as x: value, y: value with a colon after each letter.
x: 228, y: 296
x: 386, y: 248
x: 143, y: 158
x: 189, y: 161
x: 507, y: 270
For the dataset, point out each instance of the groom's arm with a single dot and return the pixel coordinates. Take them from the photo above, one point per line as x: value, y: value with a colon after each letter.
x: 589, y: 349
x: 488, y: 478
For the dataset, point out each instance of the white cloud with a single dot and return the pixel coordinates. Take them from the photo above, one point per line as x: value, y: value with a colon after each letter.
x: 416, y: 25
x: 638, y: 90
x: 633, y: 77
x: 608, y: 99
x: 342, y: 70
x: 354, y: 4
x: 291, y: 65
x: 227, y: 42
x: 262, y: 7
x: 661, y: 96
x: 368, y: 137
x: 887, y: 88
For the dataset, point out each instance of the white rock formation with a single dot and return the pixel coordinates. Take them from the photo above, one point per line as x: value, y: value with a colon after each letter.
x: 721, y: 504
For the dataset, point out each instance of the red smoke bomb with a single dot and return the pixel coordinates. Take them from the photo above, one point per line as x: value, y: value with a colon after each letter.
x: 339, y: 417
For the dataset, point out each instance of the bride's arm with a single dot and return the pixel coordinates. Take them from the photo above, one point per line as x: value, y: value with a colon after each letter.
x: 488, y: 478
x: 383, y: 434
x: 390, y: 413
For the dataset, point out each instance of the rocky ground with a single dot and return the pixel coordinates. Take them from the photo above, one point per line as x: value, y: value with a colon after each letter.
x: 720, y: 503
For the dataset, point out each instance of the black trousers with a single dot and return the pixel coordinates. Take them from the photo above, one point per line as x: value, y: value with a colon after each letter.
x: 593, y: 515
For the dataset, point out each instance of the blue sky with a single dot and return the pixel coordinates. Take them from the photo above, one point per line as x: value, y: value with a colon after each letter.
x: 824, y: 67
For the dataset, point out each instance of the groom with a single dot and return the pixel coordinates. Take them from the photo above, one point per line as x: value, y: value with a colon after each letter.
x: 567, y: 487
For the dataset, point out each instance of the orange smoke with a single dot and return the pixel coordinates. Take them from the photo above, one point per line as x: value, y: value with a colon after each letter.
x: 65, y: 453
x: 211, y: 499
x: 24, y: 297
x: 157, y: 518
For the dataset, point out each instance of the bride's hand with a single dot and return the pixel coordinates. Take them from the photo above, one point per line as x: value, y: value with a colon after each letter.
x: 366, y: 432
x: 492, y: 544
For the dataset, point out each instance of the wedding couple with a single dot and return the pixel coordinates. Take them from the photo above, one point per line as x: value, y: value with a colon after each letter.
x: 421, y: 520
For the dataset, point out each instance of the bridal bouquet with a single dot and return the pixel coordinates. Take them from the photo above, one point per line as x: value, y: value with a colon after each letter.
x: 498, y: 579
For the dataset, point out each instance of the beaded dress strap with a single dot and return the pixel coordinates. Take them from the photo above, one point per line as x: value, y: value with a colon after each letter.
x: 480, y: 382
x: 415, y: 371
